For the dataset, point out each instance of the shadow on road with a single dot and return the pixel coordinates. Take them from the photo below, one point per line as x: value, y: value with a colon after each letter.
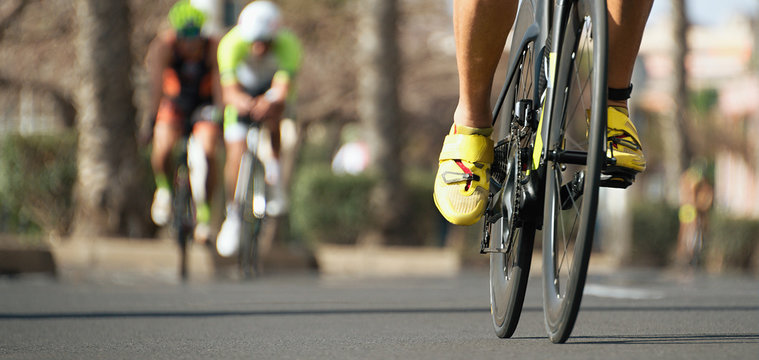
x: 670, y: 339
x: 200, y: 314
x: 301, y: 312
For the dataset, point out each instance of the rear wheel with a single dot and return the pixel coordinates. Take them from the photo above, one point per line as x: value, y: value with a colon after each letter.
x: 574, y: 160
x: 184, y: 218
x: 509, y: 273
x: 512, y: 237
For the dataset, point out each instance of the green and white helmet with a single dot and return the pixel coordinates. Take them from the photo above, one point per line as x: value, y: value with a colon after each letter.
x: 186, y: 19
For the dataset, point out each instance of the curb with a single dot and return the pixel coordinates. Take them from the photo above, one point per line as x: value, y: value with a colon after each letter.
x: 88, y: 257
x: 390, y: 261
x: 83, y: 258
x: 20, y: 261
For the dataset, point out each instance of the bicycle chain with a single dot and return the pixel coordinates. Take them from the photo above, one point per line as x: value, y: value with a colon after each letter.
x: 516, y: 200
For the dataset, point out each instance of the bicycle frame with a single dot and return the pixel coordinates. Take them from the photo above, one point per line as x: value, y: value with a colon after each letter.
x: 536, y: 189
x: 549, y: 15
x: 534, y: 34
x: 247, y: 162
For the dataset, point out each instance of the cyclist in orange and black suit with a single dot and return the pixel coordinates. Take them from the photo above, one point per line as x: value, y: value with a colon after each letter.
x: 185, y: 95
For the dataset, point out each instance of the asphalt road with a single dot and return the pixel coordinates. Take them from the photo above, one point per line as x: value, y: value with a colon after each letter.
x: 628, y: 315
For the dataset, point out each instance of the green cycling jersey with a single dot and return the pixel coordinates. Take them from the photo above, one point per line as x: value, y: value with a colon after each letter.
x: 237, y: 66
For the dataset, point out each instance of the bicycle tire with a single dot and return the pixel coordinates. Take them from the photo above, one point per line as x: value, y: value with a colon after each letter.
x: 252, y: 221
x: 572, y: 180
x: 510, y: 271
x: 509, y: 274
x: 184, y: 216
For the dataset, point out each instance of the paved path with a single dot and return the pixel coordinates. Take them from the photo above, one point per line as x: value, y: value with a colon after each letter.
x: 628, y: 315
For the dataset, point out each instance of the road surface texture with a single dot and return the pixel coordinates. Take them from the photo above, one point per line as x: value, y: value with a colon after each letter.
x: 631, y: 314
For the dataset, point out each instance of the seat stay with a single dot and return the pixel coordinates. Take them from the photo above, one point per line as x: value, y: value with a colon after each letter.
x: 532, y: 33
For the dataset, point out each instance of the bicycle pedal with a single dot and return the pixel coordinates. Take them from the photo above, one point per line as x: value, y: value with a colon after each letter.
x: 617, y: 178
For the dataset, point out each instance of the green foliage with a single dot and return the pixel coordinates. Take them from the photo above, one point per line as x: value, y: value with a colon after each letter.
x: 731, y: 243
x: 655, y: 228
x: 332, y: 208
x: 327, y: 207
x: 38, y: 175
x: 426, y: 224
x: 703, y: 101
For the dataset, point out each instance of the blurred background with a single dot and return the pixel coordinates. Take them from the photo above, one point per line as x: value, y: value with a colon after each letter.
x: 375, y: 98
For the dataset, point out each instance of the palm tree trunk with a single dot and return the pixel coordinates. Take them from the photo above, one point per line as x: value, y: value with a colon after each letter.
x: 108, y: 190
x: 379, y: 112
x: 678, y: 150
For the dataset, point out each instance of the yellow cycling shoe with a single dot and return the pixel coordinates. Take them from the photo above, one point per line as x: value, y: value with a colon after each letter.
x: 623, y: 145
x: 462, y: 182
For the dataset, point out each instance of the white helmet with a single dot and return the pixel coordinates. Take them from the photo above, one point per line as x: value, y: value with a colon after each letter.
x: 259, y: 21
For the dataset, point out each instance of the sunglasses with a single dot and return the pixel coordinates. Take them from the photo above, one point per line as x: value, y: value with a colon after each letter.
x: 188, y: 32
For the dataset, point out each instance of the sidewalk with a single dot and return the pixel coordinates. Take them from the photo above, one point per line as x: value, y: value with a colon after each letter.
x: 119, y: 259
x: 86, y: 258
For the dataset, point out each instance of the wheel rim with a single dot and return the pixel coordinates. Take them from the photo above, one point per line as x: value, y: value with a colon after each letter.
x: 570, y: 212
x: 502, y: 278
x: 508, y: 275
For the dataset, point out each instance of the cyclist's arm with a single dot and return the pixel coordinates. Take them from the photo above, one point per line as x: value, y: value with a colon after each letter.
x: 280, y: 88
x: 158, y: 57
x: 236, y: 97
x: 215, y: 78
x: 288, y: 51
x: 231, y: 52
x: 272, y: 104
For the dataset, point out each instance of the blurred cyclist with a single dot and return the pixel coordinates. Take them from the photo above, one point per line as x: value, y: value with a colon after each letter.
x: 257, y: 63
x: 185, y: 97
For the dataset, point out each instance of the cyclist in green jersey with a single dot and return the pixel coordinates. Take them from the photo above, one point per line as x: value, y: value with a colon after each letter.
x: 480, y: 35
x: 258, y: 61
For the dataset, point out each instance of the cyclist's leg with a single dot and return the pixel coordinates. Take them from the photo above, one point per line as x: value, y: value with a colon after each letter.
x: 166, y: 131
x: 206, y: 133
x: 234, y: 139
x: 480, y: 30
x: 276, y: 203
x: 276, y: 137
x: 627, y: 20
x: 462, y: 182
x: 235, y: 149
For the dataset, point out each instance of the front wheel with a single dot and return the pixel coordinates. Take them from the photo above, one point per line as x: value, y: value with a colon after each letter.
x: 184, y: 219
x: 573, y: 163
x: 254, y: 208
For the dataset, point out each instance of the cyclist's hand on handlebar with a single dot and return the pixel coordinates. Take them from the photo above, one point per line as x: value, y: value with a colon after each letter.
x: 245, y: 107
x: 266, y: 109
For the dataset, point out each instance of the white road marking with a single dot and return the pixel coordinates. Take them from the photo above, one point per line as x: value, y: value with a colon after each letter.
x: 618, y: 292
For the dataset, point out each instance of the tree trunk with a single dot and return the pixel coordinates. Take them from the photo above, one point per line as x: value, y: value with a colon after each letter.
x: 380, y: 115
x: 108, y: 192
x: 676, y: 132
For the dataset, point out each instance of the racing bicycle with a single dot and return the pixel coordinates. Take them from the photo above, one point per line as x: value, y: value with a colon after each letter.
x: 250, y: 199
x: 549, y: 154
x: 189, y: 162
x: 183, y: 206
